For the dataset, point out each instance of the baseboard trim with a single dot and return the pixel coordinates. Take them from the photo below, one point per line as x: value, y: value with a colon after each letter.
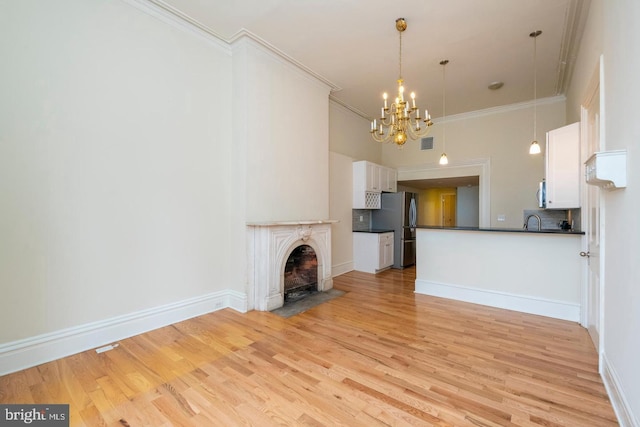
x: 343, y: 268
x: 33, y: 351
x: 616, y: 395
x: 238, y: 301
x: 523, y: 303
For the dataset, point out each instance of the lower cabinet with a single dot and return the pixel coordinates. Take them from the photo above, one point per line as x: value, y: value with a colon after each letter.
x: 372, y: 252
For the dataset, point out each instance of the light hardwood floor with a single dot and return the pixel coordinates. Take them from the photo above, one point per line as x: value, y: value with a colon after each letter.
x: 379, y: 355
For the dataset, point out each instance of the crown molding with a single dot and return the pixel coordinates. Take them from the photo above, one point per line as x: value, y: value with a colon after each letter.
x: 501, y: 109
x: 178, y: 19
x: 348, y: 107
x: 576, y: 16
x: 245, y: 34
x: 574, y: 23
x: 175, y: 18
x: 470, y: 114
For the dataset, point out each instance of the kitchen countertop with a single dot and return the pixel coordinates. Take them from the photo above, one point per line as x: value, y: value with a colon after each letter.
x: 374, y: 230
x: 504, y: 230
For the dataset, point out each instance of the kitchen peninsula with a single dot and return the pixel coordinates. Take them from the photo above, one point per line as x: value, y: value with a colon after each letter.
x: 536, y: 272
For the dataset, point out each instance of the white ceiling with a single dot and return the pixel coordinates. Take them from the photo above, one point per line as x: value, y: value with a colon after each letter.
x: 353, y: 44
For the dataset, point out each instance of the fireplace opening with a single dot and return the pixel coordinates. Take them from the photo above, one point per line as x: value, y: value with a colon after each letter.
x: 300, y: 274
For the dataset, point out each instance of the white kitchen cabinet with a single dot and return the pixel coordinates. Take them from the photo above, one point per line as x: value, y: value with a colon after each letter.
x: 372, y: 252
x: 563, y: 167
x: 388, y: 179
x: 366, y: 176
x: 369, y: 180
x: 366, y: 200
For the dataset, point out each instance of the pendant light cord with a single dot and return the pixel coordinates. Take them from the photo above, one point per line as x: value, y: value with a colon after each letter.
x: 535, y: 86
x: 444, y: 63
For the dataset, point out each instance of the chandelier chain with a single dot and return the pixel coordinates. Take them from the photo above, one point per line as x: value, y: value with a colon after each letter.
x: 400, y: 58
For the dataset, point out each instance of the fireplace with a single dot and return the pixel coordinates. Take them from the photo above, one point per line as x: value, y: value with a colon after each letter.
x: 300, y: 274
x: 292, y: 256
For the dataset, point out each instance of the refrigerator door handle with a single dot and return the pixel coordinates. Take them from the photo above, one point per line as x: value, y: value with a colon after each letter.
x: 412, y: 213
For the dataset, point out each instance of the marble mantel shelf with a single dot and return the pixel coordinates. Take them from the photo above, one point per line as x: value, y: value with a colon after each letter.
x: 277, y: 223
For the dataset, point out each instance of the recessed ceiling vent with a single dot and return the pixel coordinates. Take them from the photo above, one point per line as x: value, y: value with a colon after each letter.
x: 426, y: 143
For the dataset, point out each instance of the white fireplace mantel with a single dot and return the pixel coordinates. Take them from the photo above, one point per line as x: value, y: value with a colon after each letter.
x: 269, y: 245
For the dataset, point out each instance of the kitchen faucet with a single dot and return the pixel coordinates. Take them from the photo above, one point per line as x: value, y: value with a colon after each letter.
x: 526, y: 222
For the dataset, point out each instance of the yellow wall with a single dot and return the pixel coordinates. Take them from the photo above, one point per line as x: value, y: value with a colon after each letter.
x: 430, y: 206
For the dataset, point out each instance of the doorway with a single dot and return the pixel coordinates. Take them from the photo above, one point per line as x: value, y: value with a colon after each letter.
x: 472, y: 173
x: 448, y: 210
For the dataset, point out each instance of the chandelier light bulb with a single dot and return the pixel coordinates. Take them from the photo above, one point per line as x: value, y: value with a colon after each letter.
x: 443, y: 159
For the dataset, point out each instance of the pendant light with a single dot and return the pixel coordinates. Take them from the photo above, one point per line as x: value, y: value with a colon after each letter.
x: 535, y: 147
x: 443, y: 159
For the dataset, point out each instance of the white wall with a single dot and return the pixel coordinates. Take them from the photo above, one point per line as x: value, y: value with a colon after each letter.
x: 503, y: 137
x: 349, y: 141
x: 287, y: 139
x: 611, y: 31
x: 113, y: 165
x: 621, y: 229
x: 349, y: 135
x: 467, y: 205
x: 587, y: 61
x: 340, y: 189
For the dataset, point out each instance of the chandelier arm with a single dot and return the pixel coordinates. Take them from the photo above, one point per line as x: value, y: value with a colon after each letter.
x: 411, y: 132
x: 381, y: 138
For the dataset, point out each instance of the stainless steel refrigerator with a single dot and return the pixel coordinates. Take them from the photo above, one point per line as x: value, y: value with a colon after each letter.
x: 399, y: 212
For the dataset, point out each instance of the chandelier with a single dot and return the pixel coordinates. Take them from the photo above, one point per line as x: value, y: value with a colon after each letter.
x: 400, y: 121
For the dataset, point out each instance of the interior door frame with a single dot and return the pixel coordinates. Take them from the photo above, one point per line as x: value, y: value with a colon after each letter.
x: 594, y: 88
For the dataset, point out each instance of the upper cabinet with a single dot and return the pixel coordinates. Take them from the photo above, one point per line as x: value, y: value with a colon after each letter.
x: 563, y: 167
x: 388, y: 179
x: 369, y: 180
x: 366, y: 177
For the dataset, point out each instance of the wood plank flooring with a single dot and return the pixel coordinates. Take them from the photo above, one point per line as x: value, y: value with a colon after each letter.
x: 379, y: 355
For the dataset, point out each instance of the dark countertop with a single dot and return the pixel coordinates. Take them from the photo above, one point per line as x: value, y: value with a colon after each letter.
x: 504, y: 230
x: 374, y: 230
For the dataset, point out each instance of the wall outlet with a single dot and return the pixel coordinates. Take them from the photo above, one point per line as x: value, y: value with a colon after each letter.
x: 502, y: 217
